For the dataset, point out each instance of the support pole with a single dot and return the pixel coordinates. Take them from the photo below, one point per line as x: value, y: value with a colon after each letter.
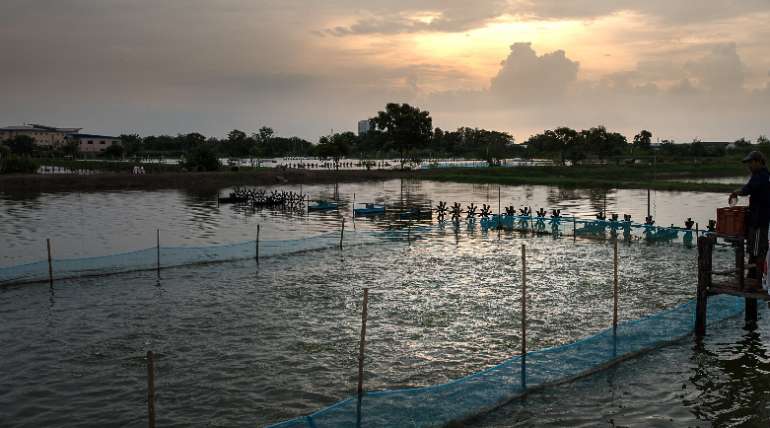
x: 751, y: 313
x: 157, y: 249
x: 705, y: 248
x: 523, y: 316
x: 648, y: 202
x: 615, y: 287
x: 257, y: 249
x: 50, y: 264
x: 342, y: 231
x: 360, y: 390
x: 150, y: 389
x: 409, y: 231
x: 574, y: 228
x: 740, y: 260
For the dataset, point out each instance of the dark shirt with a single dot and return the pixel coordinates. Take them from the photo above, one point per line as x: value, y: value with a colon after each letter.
x: 758, y: 190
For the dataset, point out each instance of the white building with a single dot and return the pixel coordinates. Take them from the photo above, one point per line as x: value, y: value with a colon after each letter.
x: 90, y: 143
x: 364, y: 126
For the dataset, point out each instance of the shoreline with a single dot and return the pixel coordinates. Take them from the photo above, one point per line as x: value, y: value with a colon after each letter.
x: 581, y: 177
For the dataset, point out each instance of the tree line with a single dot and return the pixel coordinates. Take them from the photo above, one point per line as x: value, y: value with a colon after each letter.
x: 400, y: 130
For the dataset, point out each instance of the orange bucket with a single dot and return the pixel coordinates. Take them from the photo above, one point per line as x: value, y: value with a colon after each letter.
x: 732, y: 221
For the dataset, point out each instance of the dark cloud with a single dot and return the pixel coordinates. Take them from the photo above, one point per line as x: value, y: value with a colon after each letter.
x: 460, y: 16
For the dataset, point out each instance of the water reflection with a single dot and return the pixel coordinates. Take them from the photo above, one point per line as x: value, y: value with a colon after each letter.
x: 732, y: 381
x: 83, y: 224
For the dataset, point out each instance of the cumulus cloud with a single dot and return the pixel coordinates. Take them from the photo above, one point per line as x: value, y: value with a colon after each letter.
x: 720, y: 70
x: 702, y: 97
x: 527, y: 77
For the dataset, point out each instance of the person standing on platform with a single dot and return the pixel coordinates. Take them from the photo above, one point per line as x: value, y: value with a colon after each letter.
x: 758, y: 191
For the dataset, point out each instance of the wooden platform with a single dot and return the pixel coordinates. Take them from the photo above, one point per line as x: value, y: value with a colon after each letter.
x: 733, y: 290
x: 733, y: 281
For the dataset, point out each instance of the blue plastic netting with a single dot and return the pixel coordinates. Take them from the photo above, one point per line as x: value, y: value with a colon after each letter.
x: 479, y: 392
x: 177, y: 256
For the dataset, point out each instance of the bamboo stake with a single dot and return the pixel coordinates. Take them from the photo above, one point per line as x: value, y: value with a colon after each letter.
x: 50, y: 265
x: 524, y: 316
x: 342, y: 231
x: 615, y: 287
x: 157, y: 247
x: 360, y: 390
x: 257, y: 249
x: 574, y: 228
x: 150, y: 389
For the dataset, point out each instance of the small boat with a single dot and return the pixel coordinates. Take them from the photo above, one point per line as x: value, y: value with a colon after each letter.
x: 322, y: 206
x: 369, y: 209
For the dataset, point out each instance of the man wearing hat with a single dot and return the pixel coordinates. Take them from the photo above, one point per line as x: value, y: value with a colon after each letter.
x: 758, y: 191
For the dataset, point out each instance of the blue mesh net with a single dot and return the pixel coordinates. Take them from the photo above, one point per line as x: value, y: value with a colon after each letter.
x: 147, y: 259
x: 479, y: 392
x: 177, y: 256
x: 462, y: 398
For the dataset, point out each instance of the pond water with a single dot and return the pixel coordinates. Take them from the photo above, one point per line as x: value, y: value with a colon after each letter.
x: 240, y: 345
x: 84, y: 224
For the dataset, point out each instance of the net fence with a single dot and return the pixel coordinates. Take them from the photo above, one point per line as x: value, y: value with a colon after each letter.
x: 469, y: 396
x: 167, y: 256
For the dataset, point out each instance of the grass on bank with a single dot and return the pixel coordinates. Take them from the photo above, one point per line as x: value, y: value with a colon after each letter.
x: 662, y: 176
x: 657, y: 177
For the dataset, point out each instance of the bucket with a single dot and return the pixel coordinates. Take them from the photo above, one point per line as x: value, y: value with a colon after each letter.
x: 732, y: 221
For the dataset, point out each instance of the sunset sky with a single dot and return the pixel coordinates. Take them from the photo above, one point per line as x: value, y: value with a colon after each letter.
x: 306, y: 67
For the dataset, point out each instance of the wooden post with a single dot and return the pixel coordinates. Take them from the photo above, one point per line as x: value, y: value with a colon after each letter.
x: 150, y: 389
x: 50, y: 264
x: 360, y: 390
x: 524, y: 316
x: 257, y: 249
x: 217, y: 198
x: 574, y: 228
x: 751, y: 313
x: 354, y: 206
x: 705, y: 248
x: 342, y: 231
x: 409, y: 231
x: 740, y: 260
x: 615, y: 287
x: 157, y: 248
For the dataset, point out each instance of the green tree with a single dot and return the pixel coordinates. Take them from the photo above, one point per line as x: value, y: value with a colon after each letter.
x: 22, y: 145
x: 202, y: 158
x: 115, y: 151
x: 132, y: 143
x: 603, y: 144
x: 336, y: 146
x: 643, y: 140
x: 407, y: 128
x: 71, y: 148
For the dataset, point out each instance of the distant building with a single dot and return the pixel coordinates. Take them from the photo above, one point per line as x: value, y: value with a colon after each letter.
x: 46, y: 136
x: 51, y: 136
x: 364, y: 126
x: 90, y: 143
x: 716, y: 145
